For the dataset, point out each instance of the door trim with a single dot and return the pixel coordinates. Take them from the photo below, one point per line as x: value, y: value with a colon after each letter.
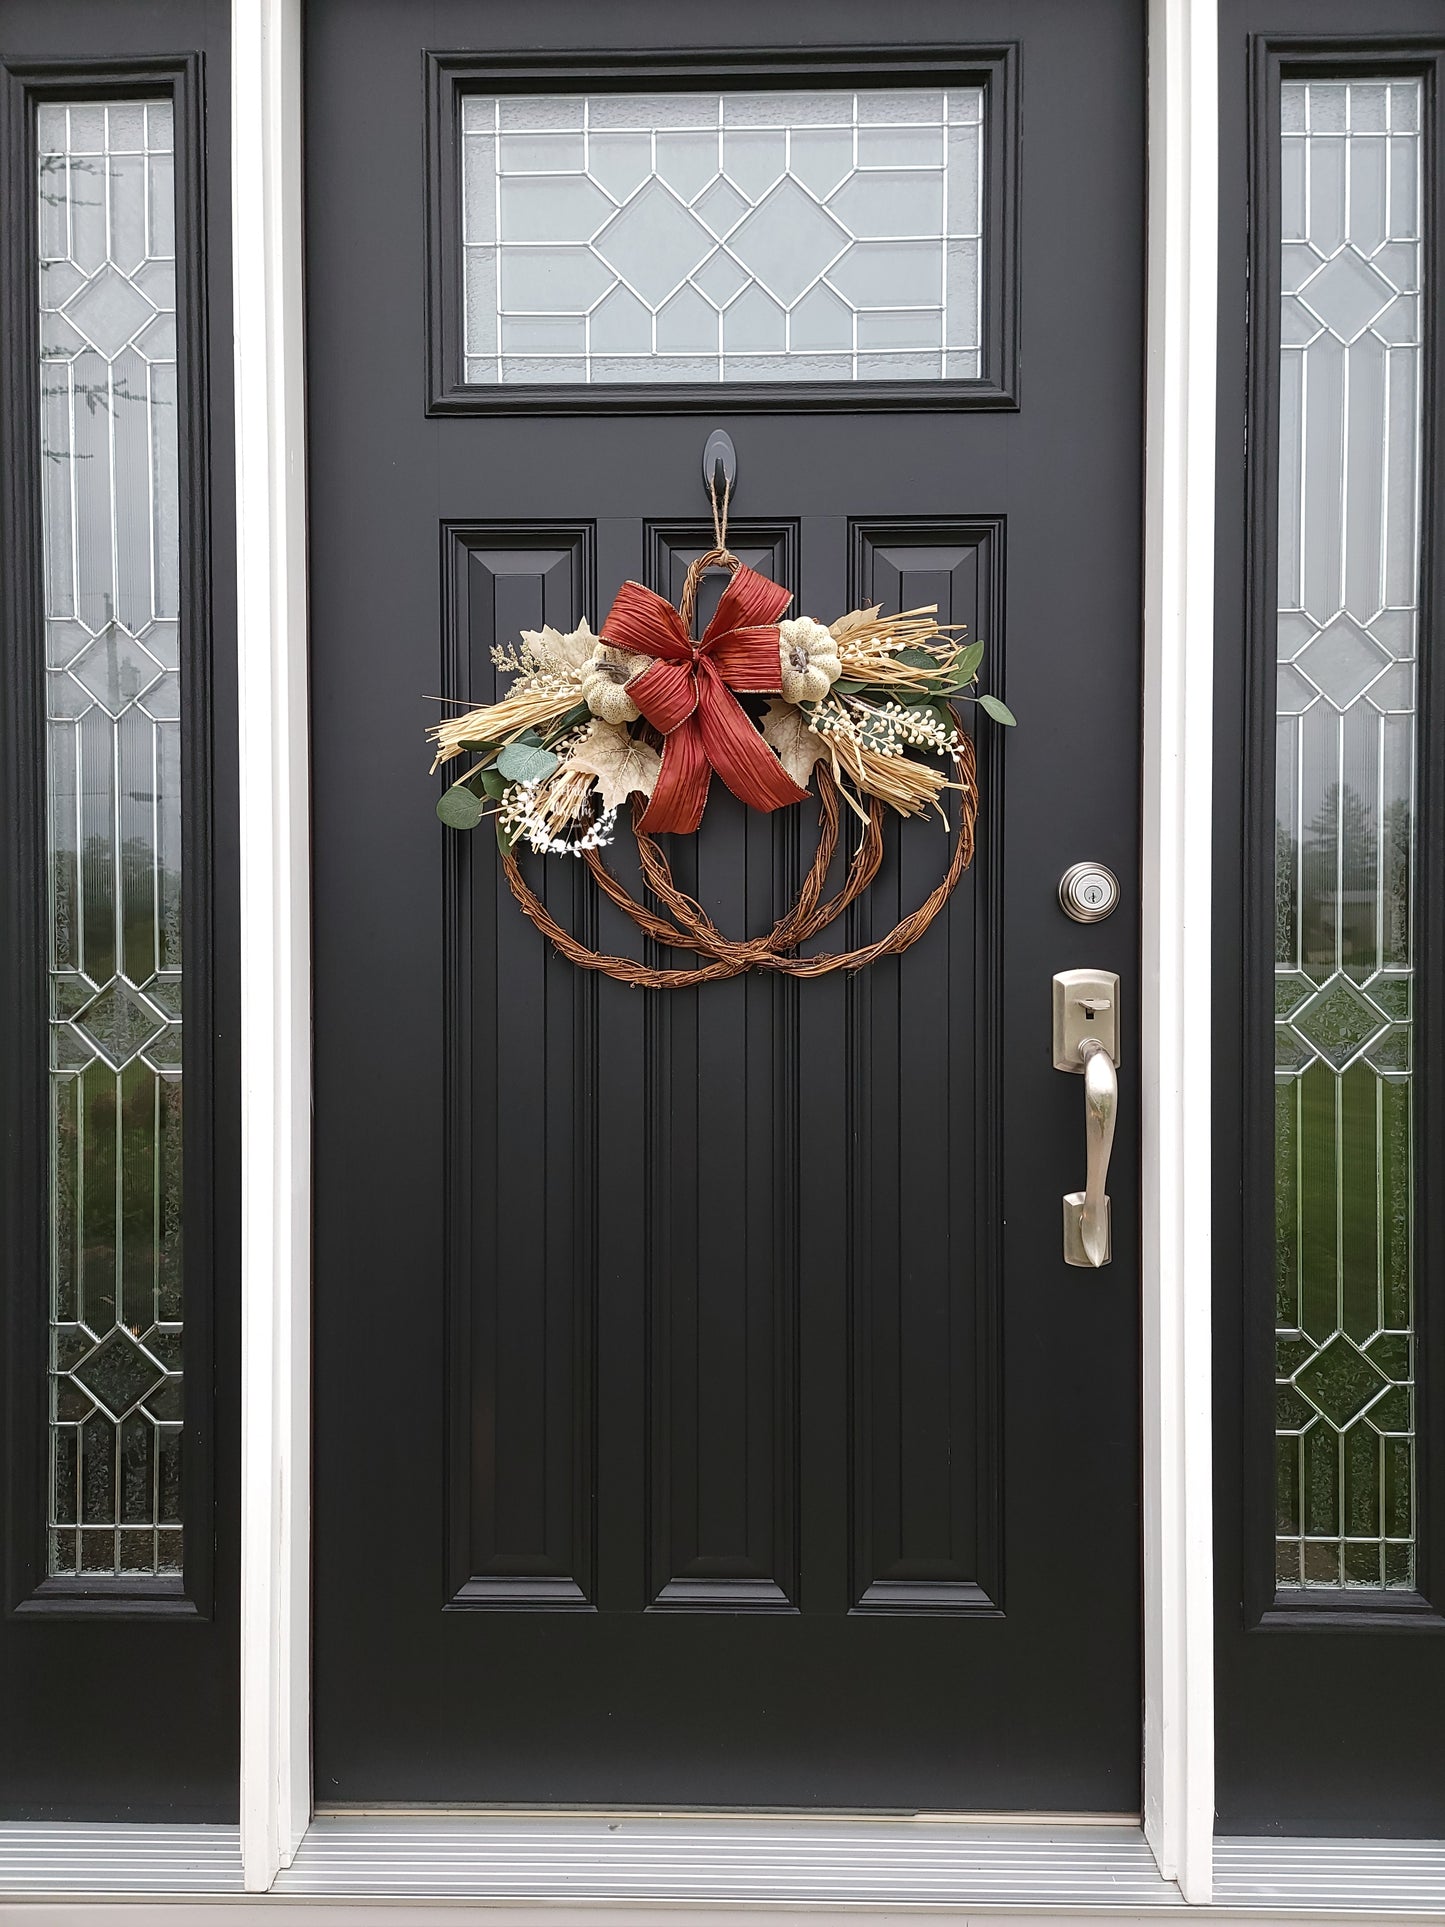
x: 1176, y: 900
x: 1174, y: 1080
x: 275, y: 865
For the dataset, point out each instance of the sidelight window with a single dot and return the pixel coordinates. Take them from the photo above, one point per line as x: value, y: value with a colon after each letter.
x: 110, y: 512
x: 1345, y: 879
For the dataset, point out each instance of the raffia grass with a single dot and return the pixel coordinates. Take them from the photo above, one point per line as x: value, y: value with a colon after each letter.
x: 505, y: 721
x: 868, y: 646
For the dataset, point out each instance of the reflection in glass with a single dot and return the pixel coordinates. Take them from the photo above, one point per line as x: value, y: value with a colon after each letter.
x: 783, y: 236
x: 110, y: 512
x: 1345, y: 831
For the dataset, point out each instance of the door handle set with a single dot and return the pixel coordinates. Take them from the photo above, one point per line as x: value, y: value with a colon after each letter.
x: 1086, y: 1043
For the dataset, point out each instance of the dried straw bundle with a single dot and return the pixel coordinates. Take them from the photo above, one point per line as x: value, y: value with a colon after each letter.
x: 505, y: 721
x: 869, y: 646
x: 910, y: 788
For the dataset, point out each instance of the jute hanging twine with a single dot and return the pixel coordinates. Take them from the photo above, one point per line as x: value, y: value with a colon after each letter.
x: 687, y: 925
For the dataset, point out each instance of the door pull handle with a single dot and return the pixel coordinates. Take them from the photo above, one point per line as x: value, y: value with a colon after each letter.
x: 1086, y: 1042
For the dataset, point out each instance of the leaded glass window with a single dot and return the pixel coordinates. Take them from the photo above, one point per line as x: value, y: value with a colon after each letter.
x: 1347, y: 632
x: 784, y: 236
x: 110, y: 516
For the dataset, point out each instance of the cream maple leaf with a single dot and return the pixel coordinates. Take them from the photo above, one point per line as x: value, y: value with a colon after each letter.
x: 855, y: 622
x: 622, y: 763
x: 562, y: 655
x: 786, y: 732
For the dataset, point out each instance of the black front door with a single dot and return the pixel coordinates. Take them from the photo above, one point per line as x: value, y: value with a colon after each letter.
x: 706, y: 1415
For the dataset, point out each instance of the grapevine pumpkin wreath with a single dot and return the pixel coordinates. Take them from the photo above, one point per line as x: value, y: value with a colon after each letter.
x: 863, y: 710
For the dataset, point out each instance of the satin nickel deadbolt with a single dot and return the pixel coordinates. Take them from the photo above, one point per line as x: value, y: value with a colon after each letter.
x: 1086, y: 1041
x: 1088, y: 892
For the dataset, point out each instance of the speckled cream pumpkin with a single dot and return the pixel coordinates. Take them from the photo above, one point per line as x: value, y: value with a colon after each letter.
x: 605, y: 676
x: 810, y: 664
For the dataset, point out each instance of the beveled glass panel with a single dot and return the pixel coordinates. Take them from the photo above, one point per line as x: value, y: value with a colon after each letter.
x: 111, y: 520
x: 723, y: 237
x: 1345, y: 787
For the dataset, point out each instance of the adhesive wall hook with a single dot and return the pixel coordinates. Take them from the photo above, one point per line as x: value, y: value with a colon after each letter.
x: 720, y: 465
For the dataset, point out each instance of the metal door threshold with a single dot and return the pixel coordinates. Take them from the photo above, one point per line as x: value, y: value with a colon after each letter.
x: 601, y: 1870
x: 748, y: 1862
x: 1395, y: 1879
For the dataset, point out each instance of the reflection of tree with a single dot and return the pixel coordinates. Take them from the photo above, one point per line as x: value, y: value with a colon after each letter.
x: 1349, y: 883
x: 97, y: 396
x: 148, y: 925
x: 1399, y: 844
x: 63, y: 170
x: 1286, y: 884
x: 66, y: 167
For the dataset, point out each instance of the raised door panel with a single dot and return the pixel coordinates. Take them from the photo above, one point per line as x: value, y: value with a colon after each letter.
x: 922, y: 1198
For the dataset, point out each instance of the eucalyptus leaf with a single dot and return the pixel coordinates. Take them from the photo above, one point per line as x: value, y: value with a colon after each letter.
x: 1000, y: 711
x: 917, y: 658
x: 526, y: 763
x: 946, y: 716
x: 846, y: 688
x: 530, y: 736
x: 493, y: 783
x: 477, y: 746
x: 505, y: 838
x: 968, y: 662
x: 460, y: 808
x: 579, y: 713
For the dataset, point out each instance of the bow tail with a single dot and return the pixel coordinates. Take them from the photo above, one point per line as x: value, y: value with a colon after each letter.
x: 677, y: 801
x: 735, y: 749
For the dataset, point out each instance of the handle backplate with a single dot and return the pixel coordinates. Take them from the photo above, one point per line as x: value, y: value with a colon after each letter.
x: 1086, y: 1042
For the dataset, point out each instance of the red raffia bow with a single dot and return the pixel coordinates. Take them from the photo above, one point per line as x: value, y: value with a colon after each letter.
x: 687, y: 696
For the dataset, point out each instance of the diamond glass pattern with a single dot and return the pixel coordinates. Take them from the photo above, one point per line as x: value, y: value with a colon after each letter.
x: 1349, y: 535
x: 1340, y: 1382
x: 118, y: 1373
x: 110, y: 514
x: 1347, y: 294
x: 692, y: 237
x: 1342, y: 661
x: 119, y: 1022
x: 1338, y: 1021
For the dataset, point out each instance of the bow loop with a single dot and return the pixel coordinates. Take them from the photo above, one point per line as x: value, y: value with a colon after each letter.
x: 641, y: 622
x: 687, y: 695
x: 747, y: 602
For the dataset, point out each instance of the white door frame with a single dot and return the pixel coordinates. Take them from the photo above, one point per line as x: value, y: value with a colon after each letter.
x: 267, y: 192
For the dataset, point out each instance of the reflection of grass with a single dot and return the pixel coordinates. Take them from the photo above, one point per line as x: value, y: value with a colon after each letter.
x: 1343, y: 1188
x: 1337, y: 1160
x: 122, y: 1130
x: 1343, y: 1142
x: 127, y: 1263
x: 1343, y: 1200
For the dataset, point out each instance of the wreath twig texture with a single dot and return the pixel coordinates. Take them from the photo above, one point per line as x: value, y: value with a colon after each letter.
x: 646, y: 711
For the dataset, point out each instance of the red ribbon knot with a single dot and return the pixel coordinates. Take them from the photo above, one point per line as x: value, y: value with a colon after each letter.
x: 688, y: 696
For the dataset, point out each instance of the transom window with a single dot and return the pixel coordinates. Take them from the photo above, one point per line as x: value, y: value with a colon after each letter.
x: 716, y: 237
